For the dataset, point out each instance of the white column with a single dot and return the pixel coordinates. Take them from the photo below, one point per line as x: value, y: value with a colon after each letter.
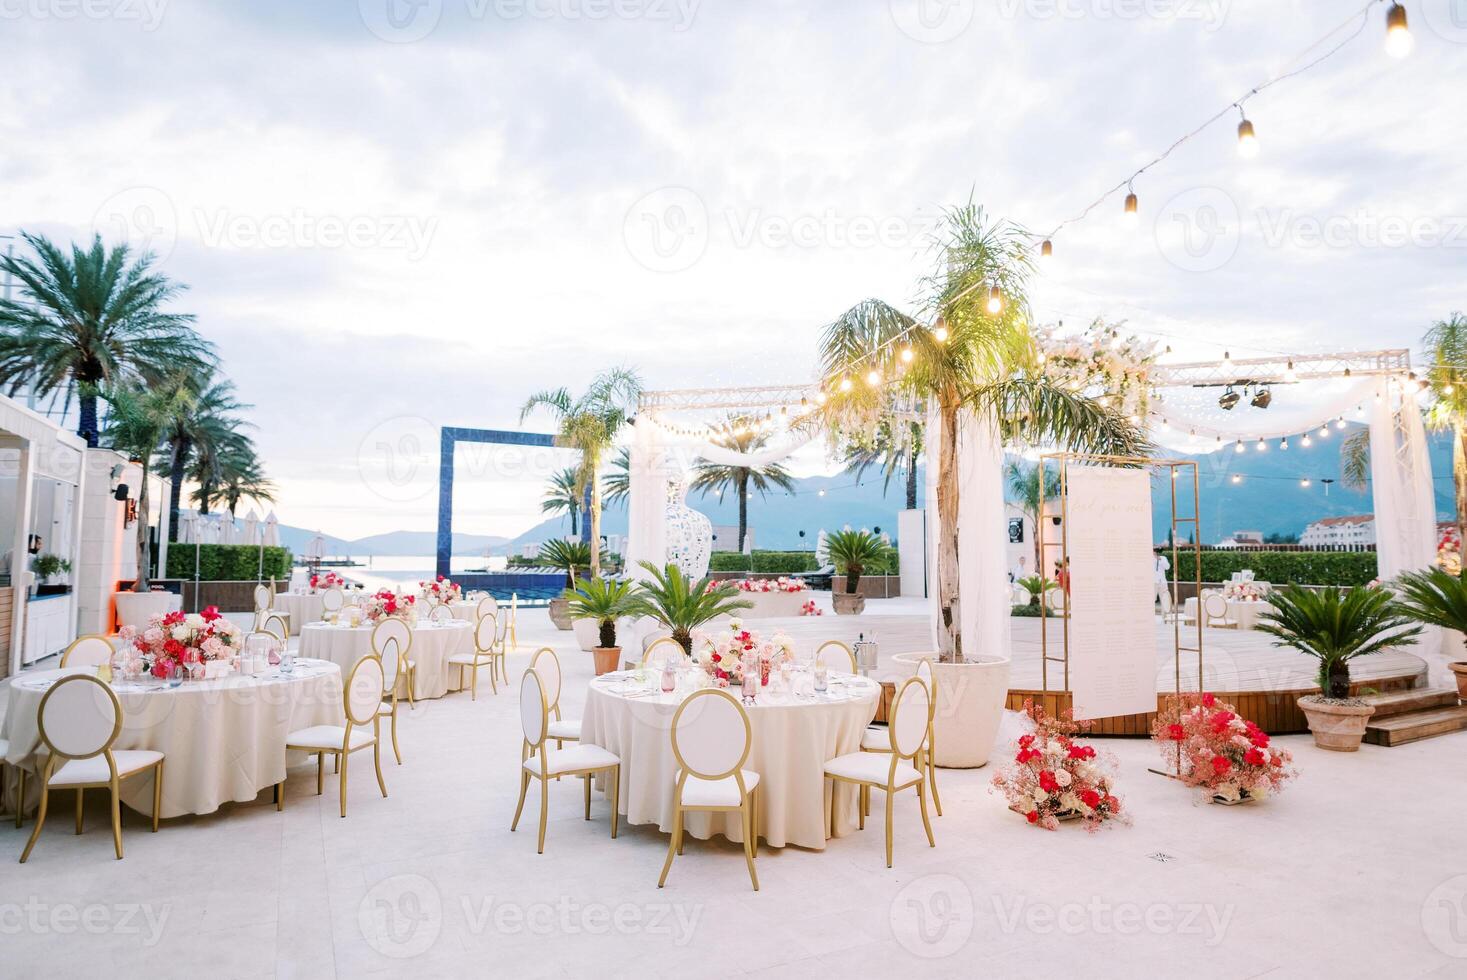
x: 20, y: 560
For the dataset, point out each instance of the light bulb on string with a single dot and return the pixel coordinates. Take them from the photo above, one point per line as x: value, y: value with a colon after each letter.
x: 907, y: 355
x: 995, y: 301
x: 845, y: 384
x: 873, y: 377
x: 1130, y: 217
x: 1324, y: 431
x: 1307, y: 441
x: 939, y: 332
x: 1046, y: 251
x: 1237, y: 478
x: 1290, y: 375
x: 1340, y: 422
x: 1304, y: 483
x: 1247, y: 139
x: 1262, y: 446
x: 1240, y: 448
x: 1398, y: 41
x: 1284, y: 444
x: 820, y: 398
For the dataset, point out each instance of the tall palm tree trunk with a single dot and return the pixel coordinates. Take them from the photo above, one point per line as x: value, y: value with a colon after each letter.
x: 175, y: 490
x: 949, y: 638
x: 586, y: 503
x: 141, y: 583
x: 593, y: 487
x: 742, y: 488
x: 911, y: 481
x: 1459, y: 477
x: 206, y: 493
x: 87, y: 427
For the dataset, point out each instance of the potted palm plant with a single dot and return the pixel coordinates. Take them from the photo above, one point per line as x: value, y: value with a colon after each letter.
x: 1438, y: 598
x: 600, y: 601
x: 681, y: 604
x: 1336, y: 626
x: 853, y: 552
x: 573, y: 557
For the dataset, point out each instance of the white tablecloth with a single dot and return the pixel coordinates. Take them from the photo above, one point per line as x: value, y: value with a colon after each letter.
x: 136, y: 608
x: 223, y: 740
x: 1242, y: 611
x: 304, y: 607
x: 792, y: 742
x: 433, y: 644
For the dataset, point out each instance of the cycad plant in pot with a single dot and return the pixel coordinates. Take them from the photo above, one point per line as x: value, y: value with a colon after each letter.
x: 1336, y: 626
x: 1438, y: 598
x: 601, y: 600
x: 572, y: 557
x: 682, y: 604
x: 853, y: 552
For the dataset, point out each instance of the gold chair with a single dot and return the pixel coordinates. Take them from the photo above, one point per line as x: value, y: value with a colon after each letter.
x: 844, y: 656
x: 79, y: 720
x: 91, y: 650
x: 485, y: 647
x: 711, y: 746
x: 393, y: 637
x: 1215, y: 613
x: 332, y: 600
x: 543, y: 763
x: 440, y: 613
x: 911, y: 720
x: 20, y: 791
x: 877, y: 738
x: 277, y: 626
x: 265, y: 607
x: 674, y: 649
x: 502, y: 640
x: 547, y: 667
x: 361, y: 701
x: 487, y: 606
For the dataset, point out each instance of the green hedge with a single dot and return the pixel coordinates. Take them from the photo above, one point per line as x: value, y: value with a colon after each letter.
x: 729, y: 561
x: 785, y: 562
x: 227, y: 562
x: 1285, y: 567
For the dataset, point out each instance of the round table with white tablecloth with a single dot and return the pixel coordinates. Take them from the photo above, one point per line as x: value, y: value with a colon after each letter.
x: 136, y: 608
x: 794, y: 735
x: 307, y: 607
x: 222, y: 740
x: 433, y: 644
x: 1244, y: 612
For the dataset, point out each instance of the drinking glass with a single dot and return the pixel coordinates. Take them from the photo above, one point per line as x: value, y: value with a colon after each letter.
x: 820, y: 678
x: 175, y: 675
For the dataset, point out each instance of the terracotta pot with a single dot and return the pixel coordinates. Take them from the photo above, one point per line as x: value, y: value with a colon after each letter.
x: 1459, y: 670
x: 560, y: 612
x: 606, y: 659
x: 1337, y: 727
x: 847, y: 603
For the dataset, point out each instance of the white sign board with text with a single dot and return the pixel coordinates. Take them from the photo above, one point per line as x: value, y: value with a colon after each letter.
x: 1112, y: 624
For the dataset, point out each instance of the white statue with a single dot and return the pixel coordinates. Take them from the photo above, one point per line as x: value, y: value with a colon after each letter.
x: 689, y: 533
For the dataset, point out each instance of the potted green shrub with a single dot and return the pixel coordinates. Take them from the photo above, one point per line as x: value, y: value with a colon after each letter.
x: 681, y: 604
x: 47, y: 567
x: 1438, y: 598
x: 1336, y: 626
x: 571, y: 556
x: 601, y: 601
x: 853, y: 552
x: 1036, y: 586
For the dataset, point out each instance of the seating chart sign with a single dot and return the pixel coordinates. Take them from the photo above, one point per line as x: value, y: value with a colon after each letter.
x: 1112, y: 639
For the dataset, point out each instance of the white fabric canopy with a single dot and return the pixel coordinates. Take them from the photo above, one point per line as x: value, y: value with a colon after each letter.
x: 1190, y: 420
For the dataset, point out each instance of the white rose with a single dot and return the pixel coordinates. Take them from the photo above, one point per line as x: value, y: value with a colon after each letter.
x: 195, y: 621
x: 180, y: 633
x: 1259, y: 792
x: 1062, y: 777
x: 1040, y: 795
x: 1071, y: 802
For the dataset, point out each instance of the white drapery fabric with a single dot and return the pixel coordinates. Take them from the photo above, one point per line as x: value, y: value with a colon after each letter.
x: 1196, y: 411
x: 983, y: 587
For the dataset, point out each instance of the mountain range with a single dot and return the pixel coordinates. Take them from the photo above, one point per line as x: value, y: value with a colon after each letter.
x: 1256, y: 491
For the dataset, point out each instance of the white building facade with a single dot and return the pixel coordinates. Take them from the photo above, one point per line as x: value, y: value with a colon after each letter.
x: 1353, y: 532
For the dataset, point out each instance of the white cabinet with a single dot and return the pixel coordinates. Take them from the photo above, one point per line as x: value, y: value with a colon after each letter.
x: 48, y: 627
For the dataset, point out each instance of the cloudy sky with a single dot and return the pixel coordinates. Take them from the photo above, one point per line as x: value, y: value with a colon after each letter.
x: 400, y: 214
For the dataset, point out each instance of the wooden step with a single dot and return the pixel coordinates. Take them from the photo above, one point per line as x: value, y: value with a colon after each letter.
x: 1415, y: 725
x: 1399, y: 702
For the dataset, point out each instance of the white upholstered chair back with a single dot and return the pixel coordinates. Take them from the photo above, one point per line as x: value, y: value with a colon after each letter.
x: 533, y: 708
x: 79, y: 717
x: 910, y: 717
x: 88, y: 651
x: 710, y: 734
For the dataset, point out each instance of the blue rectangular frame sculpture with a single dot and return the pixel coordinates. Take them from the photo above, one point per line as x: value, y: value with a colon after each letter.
x: 450, y: 438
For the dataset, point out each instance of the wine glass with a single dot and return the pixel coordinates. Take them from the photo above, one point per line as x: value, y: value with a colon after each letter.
x: 174, y: 676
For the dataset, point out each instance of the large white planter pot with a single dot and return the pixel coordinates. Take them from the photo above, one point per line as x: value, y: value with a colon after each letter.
x: 970, y: 700
x: 587, y: 632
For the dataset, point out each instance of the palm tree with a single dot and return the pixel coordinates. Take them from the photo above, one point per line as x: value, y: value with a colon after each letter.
x: 1446, y: 343
x: 572, y: 556
x: 137, y: 419
x: 970, y: 358
x: 590, y: 424
x: 92, y: 319
x: 681, y: 604
x: 853, y: 552
x: 741, y: 435
x: 229, y: 473
x: 1023, y: 486
x: 563, y: 495
x: 1435, y: 597
x: 895, y: 448
x: 1336, y: 626
x: 616, y: 486
x: 202, y: 423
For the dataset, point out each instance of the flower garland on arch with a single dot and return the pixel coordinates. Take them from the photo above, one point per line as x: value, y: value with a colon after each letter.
x: 1101, y: 361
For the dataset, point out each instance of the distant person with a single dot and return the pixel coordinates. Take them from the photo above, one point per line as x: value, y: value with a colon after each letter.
x: 1019, y: 571
x: 1064, y: 576
x: 1163, y: 594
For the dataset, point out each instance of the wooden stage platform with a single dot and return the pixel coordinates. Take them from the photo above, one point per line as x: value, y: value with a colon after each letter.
x: 1240, y: 666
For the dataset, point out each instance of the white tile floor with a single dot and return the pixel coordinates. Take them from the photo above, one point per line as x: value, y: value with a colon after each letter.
x: 1357, y: 870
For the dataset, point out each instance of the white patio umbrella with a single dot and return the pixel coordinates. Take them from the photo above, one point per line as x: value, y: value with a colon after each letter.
x: 822, y: 549
x: 250, y: 534
x: 188, y: 527
x: 228, y: 532
x: 271, y: 538
x: 316, y: 547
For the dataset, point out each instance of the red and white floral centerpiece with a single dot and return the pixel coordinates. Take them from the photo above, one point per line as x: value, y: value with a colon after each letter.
x: 386, y: 604
x: 772, y: 597
x: 781, y: 584
x: 1227, y: 756
x: 441, y: 590
x: 1244, y: 592
x: 192, y: 641
x: 722, y: 653
x: 1054, y: 777
x: 322, y: 581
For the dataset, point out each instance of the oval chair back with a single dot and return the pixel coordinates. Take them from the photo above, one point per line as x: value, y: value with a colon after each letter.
x: 711, y: 735
x: 440, y: 613
x: 80, y: 717
x: 275, y: 625
x: 486, y: 633
x: 503, y: 620
x: 332, y: 600
x: 546, y: 666
x: 924, y: 674
x: 391, y: 637
x: 661, y: 650
x: 911, y: 716
x: 534, y: 709
x: 843, y: 659
x: 1054, y: 599
x: 1215, y: 607
x: 88, y: 651
x: 488, y: 606
x: 264, y: 598
x: 362, y: 698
